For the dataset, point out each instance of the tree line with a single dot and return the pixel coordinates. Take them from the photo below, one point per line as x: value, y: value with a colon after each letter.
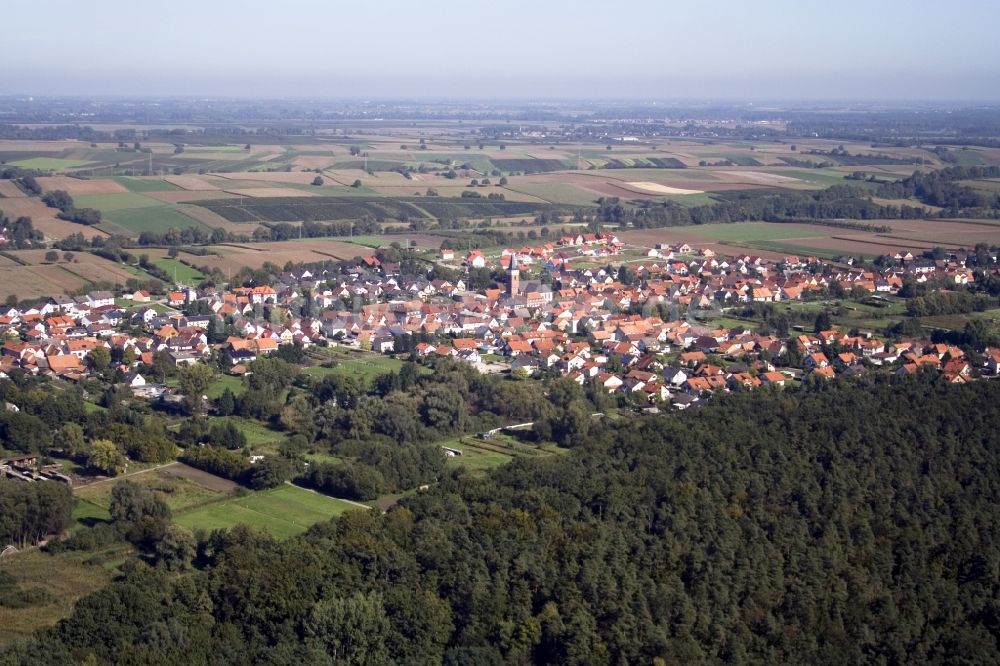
x: 851, y: 523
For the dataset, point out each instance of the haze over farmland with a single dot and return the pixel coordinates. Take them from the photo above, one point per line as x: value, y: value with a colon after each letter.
x: 500, y: 333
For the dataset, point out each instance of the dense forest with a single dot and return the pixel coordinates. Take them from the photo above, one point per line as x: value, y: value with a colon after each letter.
x: 31, y: 511
x: 855, y: 523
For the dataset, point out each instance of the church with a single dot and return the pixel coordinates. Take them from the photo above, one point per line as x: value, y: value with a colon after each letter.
x: 530, y: 294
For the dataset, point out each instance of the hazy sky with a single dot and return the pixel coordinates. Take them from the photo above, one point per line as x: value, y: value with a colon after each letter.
x: 643, y: 49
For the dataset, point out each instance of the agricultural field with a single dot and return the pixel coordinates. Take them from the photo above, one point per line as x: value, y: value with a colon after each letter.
x: 112, y: 202
x: 179, y: 271
x: 49, y: 163
x: 238, y: 189
x: 156, y: 218
x: 76, y: 187
x: 232, y: 257
x: 141, y: 185
x: 283, y: 512
x: 773, y: 240
x: 44, y: 218
x: 35, y: 278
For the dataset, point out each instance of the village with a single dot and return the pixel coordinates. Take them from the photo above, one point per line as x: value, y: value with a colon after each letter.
x: 583, y: 322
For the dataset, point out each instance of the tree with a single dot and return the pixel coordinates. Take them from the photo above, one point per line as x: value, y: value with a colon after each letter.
x: 140, y: 514
x: 356, y: 184
x: 68, y: 256
x: 106, y: 457
x: 99, y: 358
x: 226, y: 403
x: 194, y: 381
x: 822, y: 322
x: 350, y: 630
x: 131, y: 502
x: 270, y: 472
x: 175, y: 548
x: 71, y: 439
x: 51, y: 256
x: 318, y: 180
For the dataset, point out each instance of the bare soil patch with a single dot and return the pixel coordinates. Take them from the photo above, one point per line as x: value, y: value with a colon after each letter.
x: 80, y: 187
x: 662, y: 189
x: 188, y: 195
x: 190, y: 183
x: 297, y: 177
x: 269, y: 192
x: 9, y: 190
x: 44, y: 218
x: 757, y: 177
x: 202, y: 478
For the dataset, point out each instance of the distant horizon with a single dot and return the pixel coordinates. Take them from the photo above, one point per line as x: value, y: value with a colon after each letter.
x: 891, y: 51
x: 680, y: 102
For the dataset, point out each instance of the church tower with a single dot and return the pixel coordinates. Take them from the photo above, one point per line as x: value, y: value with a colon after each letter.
x: 513, y: 277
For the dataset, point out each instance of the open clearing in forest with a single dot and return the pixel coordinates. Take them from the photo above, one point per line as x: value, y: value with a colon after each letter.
x: 363, y: 366
x: 283, y: 512
x: 182, y: 487
x: 35, y: 569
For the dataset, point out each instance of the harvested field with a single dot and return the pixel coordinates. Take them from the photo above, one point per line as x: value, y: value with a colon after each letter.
x: 99, y: 273
x: 662, y: 189
x: 757, y: 177
x: 9, y: 190
x: 236, y: 256
x: 79, y: 187
x: 313, y: 161
x: 182, y: 196
x: 266, y: 177
x: 29, y: 146
x: 269, y: 192
x: 27, y: 282
x: 44, y: 218
x: 190, y: 183
x: 297, y: 177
